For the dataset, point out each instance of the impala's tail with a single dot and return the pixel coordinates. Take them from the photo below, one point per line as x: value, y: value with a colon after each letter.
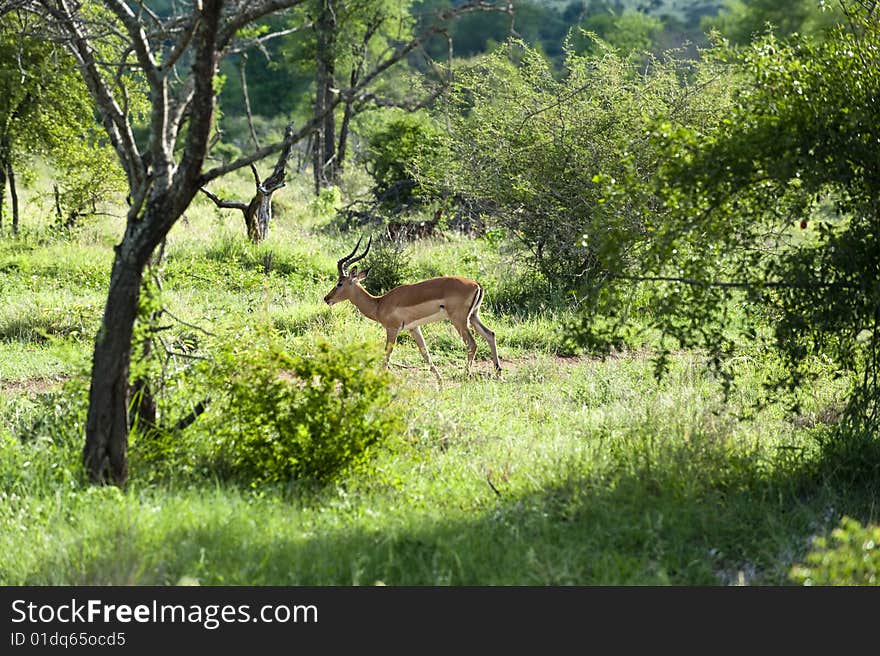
x: 475, y: 304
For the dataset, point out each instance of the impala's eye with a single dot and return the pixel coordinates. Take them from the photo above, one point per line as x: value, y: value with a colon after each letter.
x: 339, y: 284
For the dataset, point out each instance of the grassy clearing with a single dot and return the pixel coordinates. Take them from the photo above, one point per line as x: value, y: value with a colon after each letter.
x: 566, y: 470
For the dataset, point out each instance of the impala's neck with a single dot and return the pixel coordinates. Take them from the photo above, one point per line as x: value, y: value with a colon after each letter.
x: 365, y: 302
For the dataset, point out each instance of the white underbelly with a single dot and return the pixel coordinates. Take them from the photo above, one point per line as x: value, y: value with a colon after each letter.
x: 437, y: 316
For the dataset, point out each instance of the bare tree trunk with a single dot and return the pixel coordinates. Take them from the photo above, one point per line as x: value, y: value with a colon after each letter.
x: 258, y: 212
x: 258, y: 216
x: 343, y: 138
x: 7, y: 175
x: 324, y: 146
x: 4, y: 158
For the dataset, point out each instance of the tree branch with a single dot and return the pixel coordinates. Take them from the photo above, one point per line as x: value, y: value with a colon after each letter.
x: 769, y: 284
x: 202, y: 103
x: 191, y: 417
x: 260, y: 41
x: 242, y: 66
x: 248, y: 13
x: 113, y: 118
x: 225, y: 204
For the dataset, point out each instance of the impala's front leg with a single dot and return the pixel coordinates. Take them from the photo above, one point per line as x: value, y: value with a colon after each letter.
x: 390, y: 339
x: 420, y: 342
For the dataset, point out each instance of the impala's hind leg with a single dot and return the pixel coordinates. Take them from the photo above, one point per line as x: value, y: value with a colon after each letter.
x: 489, y: 336
x: 471, y: 344
x: 420, y: 342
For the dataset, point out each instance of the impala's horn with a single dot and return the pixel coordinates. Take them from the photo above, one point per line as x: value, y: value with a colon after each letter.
x: 362, y: 255
x: 340, y: 264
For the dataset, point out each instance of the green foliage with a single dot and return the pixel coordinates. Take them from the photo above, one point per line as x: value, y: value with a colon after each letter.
x: 742, y: 20
x: 274, y: 417
x: 393, y: 148
x: 537, y: 150
x: 630, y: 31
x: 41, y: 442
x: 357, y: 35
x: 614, y: 478
x: 765, y: 222
x: 626, y: 24
x: 850, y: 557
x: 326, y: 202
x: 46, y: 112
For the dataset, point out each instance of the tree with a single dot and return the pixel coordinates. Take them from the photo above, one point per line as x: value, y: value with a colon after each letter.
x: 630, y: 31
x: 45, y: 111
x: 742, y: 20
x: 768, y: 221
x: 177, y: 56
x: 377, y: 37
x: 353, y: 37
x: 258, y: 212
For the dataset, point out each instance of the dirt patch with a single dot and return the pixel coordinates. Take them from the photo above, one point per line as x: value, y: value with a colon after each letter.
x: 30, y: 386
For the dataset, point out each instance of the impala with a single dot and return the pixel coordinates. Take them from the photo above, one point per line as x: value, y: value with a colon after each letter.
x: 410, y: 306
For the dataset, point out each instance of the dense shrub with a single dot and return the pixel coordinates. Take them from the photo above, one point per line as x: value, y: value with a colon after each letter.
x: 276, y: 416
x: 534, y: 149
x: 390, y: 266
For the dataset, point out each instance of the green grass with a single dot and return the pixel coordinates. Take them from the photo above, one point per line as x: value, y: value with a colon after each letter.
x: 580, y: 472
x: 566, y: 470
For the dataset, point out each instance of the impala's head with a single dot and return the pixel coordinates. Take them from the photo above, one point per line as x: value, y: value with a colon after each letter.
x: 349, y: 278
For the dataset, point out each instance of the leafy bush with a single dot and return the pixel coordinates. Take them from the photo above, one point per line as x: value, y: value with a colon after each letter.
x: 276, y: 416
x: 390, y: 266
x: 850, y: 557
x: 533, y: 148
x: 764, y: 225
x: 392, y: 152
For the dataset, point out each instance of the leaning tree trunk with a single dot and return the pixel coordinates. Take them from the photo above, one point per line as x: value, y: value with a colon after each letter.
x: 13, y: 194
x: 106, y: 450
x: 108, y: 423
x: 162, y: 180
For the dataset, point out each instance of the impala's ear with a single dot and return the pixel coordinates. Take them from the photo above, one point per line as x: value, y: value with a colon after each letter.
x: 363, y: 274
